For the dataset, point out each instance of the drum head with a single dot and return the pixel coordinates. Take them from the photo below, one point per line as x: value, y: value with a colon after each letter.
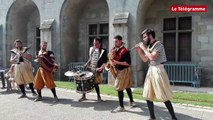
x: 88, y: 74
x: 85, y: 75
x: 70, y: 73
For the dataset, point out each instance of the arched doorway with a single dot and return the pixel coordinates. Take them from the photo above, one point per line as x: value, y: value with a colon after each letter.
x: 81, y: 21
x: 23, y: 22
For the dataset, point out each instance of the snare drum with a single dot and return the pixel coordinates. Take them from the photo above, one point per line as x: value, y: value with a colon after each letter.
x: 84, y: 82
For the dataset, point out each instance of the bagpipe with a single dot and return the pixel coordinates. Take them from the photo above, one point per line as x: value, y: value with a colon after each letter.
x: 20, y: 54
x: 47, y: 62
x: 109, y: 66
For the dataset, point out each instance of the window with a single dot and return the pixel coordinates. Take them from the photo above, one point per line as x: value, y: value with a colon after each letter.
x: 38, y: 39
x: 177, y: 34
x: 99, y: 30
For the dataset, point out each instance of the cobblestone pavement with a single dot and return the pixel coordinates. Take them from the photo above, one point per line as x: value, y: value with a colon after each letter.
x: 68, y: 108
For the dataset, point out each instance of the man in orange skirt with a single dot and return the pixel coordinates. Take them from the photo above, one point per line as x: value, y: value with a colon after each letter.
x: 44, y: 75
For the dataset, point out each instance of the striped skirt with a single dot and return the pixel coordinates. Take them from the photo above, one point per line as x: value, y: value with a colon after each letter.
x: 157, y: 84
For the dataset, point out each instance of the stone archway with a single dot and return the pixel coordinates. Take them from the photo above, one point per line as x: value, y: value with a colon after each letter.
x: 23, y: 22
x: 75, y: 17
x: 141, y: 12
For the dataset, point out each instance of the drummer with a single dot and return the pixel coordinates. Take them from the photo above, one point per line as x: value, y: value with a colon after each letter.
x: 96, y: 63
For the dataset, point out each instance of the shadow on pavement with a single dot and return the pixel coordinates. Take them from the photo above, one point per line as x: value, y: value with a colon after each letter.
x: 161, y: 113
x: 9, y: 92
x: 141, y: 109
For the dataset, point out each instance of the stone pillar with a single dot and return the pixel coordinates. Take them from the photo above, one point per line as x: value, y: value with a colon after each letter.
x: 1, y: 45
x: 47, y: 32
x: 120, y: 27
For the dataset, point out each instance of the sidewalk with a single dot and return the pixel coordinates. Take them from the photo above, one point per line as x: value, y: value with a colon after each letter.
x: 192, y: 89
x: 68, y: 108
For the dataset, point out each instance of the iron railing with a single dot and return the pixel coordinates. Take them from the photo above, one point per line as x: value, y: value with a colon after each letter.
x: 184, y: 73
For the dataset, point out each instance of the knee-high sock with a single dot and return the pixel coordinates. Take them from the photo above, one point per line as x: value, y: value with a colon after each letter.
x: 150, y: 105
x: 97, y: 89
x: 121, y: 98
x: 54, y: 92
x: 170, y: 109
x: 39, y: 93
x: 31, y: 87
x: 22, y: 89
x: 129, y: 92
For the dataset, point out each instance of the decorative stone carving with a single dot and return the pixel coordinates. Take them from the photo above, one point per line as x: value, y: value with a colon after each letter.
x: 121, y: 18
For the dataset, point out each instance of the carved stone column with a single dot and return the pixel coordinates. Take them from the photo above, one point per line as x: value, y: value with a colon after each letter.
x: 47, y: 32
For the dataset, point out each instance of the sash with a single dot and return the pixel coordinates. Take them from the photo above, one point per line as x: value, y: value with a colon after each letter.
x: 120, y: 53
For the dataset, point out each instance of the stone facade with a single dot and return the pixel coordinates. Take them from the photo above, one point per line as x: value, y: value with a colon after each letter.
x: 64, y: 24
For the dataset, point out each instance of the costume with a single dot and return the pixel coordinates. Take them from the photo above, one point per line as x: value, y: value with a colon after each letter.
x: 157, y: 82
x: 124, y: 78
x: 44, y: 75
x: 98, y: 58
x: 23, y: 68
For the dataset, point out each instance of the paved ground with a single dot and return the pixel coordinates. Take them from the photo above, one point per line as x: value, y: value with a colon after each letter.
x: 68, y: 108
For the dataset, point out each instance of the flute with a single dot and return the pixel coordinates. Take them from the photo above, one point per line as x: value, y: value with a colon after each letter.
x: 136, y: 45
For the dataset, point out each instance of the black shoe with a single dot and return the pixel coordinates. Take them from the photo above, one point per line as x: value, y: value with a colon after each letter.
x: 119, y: 109
x: 132, y: 104
x: 55, y: 99
x: 82, y: 99
x: 99, y: 99
x: 38, y: 99
x: 34, y: 94
x: 22, y: 96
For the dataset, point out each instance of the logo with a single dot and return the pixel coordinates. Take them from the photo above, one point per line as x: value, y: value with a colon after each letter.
x: 185, y: 8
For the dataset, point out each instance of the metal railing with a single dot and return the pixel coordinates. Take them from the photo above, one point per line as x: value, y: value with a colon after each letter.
x: 184, y: 73
x: 74, y: 65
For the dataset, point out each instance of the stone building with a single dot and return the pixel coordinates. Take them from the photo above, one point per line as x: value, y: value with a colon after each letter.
x: 70, y: 25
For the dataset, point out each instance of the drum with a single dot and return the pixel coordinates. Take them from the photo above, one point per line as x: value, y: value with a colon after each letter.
x: 70, y: 74
x: 84, y: 82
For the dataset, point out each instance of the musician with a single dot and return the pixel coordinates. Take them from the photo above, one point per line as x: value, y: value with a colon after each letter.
x: 156, y: 82
x: 96, y: 61
x: 23, y: 67
x: 44, y: 75
x: 123, y: 80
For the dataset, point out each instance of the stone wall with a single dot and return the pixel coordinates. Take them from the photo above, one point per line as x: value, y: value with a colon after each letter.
x: 202, y: 32
x: 205, y: 49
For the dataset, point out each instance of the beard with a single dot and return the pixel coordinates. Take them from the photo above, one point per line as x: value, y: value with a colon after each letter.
x: 19, y: 48
x: 148, y: 42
